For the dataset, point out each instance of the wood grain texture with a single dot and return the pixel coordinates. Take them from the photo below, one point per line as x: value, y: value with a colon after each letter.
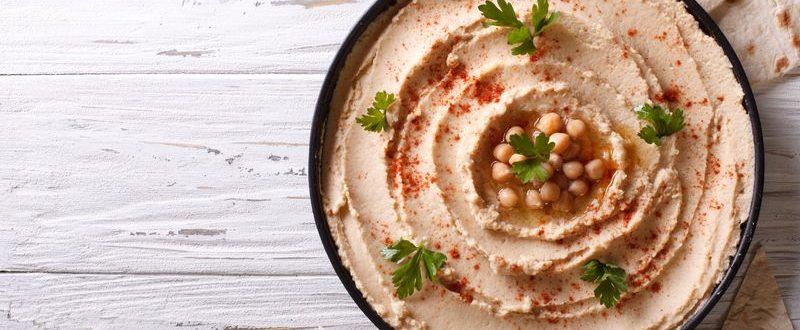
x: 188, y: 36
x: 52, y: 301
x: 154, y: 166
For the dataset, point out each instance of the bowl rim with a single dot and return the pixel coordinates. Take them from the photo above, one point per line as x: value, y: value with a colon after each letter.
x: 320, y: 119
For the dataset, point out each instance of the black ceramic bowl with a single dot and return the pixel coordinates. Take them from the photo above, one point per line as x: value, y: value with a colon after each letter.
x: 321, y: 117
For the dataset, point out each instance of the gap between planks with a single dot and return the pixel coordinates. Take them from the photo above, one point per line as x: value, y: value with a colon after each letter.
x: 167, y: 274
x: 196, y: 72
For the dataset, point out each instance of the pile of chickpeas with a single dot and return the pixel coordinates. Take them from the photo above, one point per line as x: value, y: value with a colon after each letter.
x: 569, y: 176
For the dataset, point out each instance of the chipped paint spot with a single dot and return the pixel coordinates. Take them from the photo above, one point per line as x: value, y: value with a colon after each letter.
x: 292, y: 172
x: 236, y: 327
x: 192, y: 53
x: 119, y: 42
x: 233, y: 159
x: 249, y: 200
x: 274, y: 144
x: 311, y: 3
x: 187, y: 145
x: 202, y: 232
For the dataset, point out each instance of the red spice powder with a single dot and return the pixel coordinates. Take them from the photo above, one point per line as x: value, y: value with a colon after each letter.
x: 461, y: 289
x: 546, y: 298
x: 487, y: 92
x: 454, y: 253
x: 413, y: 182
x: 656, y: 287
x: 455, y: 74
x: 670, y: 94
x: 459, y: 109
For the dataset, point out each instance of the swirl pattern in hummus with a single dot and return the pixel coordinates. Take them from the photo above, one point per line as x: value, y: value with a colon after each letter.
x: 668, y: 215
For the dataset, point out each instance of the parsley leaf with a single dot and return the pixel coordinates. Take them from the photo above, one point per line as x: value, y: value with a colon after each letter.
x: 539, y: 150
x: 529, y: 170
x: 503, y: 15
x: 523, y: 37
x: 541, y: 21
x: 398, y: 251
x: 611, y: 281
x: 537, y: 153
x: 407, y: 278
x: 662, y: 122
x: 375, y: 119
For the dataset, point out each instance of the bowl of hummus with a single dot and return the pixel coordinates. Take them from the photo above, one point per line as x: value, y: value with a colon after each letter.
x: 532, y: 164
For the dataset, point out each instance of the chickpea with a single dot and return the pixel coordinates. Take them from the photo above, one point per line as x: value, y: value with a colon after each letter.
x: 501, y: 172
x: 550, y: 192
x: 564, y: 202
x: 562, y: 142
x: 573, y: 169
x: 556, y: 161
x: 579, y: 188
x: 536, y: 184
x: 534, y: 200
x: 549, y: 168
x: 517, y: 158
x: 576, y: 128
x: 561, y: 180
x: 595, y: 169
x: 516, y: 130
x: 507, y: 197
x: 573, y: 151
x: 503, y: 152
x: 550, y: 124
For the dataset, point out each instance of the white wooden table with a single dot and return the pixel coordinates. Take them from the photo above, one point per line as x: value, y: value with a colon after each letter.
x: 153, y: 166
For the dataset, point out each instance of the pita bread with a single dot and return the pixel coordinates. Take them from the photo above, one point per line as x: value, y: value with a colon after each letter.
x: 764, y: 33
x: 758, y: 304
x: 709, y: 5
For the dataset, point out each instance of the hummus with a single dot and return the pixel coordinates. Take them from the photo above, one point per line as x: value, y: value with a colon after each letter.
x: 669, y: 215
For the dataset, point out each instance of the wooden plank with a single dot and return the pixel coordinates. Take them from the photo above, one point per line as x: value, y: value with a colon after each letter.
x: 189, y: 36
x: 199, y: 302
x: 157, y: 174
x: 67, y: 301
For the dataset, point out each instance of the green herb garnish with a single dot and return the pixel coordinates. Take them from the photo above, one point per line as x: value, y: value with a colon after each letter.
x: 537, y: 153
x: 503, y: 15
x: 662, y: 122
x: 375, y: 119
x: 611, y: 281
x: 408, y: 278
